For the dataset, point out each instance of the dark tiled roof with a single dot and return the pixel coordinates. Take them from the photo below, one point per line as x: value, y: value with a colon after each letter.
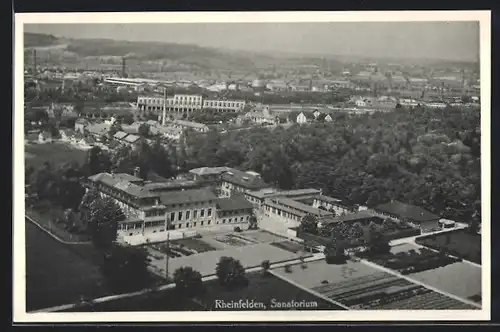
x: 237, y: 202
x: 361, y: 215
x: 244, y: 179
x: 300, y: 206
x: 187, y: 196
x: 285, y: 193
x: 406, y: 211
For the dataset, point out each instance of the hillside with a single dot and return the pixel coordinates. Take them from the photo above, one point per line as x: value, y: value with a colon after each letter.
x: 191, y: 55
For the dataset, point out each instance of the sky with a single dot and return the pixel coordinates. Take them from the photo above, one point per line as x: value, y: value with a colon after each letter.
x: 426, y: 40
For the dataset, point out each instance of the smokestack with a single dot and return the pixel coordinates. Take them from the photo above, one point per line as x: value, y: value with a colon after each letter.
x: 164, y: 105
x: 123, y: 68
x: 34, y: 63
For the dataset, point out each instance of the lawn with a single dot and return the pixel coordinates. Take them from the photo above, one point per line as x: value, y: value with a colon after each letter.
x: 461, y: 243
x: 167, y: 300
x: 59, y: 274
x: 205, y: 263
x: 261, y: 289
x: 289, y: 246
x: 55, y: 153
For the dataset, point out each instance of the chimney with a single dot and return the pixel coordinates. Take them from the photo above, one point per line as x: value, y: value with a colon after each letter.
x: 137, y: 172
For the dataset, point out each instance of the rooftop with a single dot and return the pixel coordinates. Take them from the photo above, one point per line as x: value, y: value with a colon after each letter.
x: 301, y: 206
x: 120, y: 135
x: 188, y: 196
x: 209, y: 170
x: 266, y: 193
x: 406, y: 211
x: 185, y: 123
x: 132, y: 138
x: 364, y: 214
x: 244, y: 179
x: 237, y: 202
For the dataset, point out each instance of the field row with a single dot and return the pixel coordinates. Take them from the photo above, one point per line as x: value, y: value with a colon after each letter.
x: 382, y: 290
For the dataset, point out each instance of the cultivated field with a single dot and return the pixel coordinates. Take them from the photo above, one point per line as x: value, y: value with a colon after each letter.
x: 460, y: 243
x: 460, y: 279
x: 57, y: 273
x: 360, y: 286
x: 55, y: 153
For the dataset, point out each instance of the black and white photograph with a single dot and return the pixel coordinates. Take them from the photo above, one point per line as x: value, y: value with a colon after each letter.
x: 246, y: 166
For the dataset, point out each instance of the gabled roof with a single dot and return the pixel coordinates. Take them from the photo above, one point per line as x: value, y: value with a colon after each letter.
x: 132, y: 138
x: 237, y: 202
x: 244, y: 179
x: 406, y: 211
x: 120, y: 135
x: 187, y: 196
x: 361, y: 215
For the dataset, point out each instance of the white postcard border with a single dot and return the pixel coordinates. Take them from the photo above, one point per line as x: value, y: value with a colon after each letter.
x: 19, y: 253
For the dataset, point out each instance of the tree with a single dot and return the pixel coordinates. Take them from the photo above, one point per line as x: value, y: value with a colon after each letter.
x: 230, y: 272
x: 252, y: 222
x: 335, y: 252
x: 103, y: 221
x: 143, y: 130
x: 188, y: 282
x: 128, y: 119
x: 265, y: 265
x: 123, y: 264
x: 376, y: 242
x: 309, y: 224
x: 97, y: 161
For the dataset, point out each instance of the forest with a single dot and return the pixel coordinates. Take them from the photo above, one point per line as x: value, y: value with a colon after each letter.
x: 426, y: 157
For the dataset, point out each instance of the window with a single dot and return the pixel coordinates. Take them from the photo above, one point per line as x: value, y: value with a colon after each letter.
x: 223, y: 221
x: 230, y: 220
x: 202, y: 213
x: 179, y: 217
x: 209, y: 212
x: 248, y: 218
x: 209, y: 222
x: 187, y: 225
x: 172, y: 216
x: 187, y: 214
x: 194, y: 224
x: 202, y: 223
x: 241, y: 219
x: 179, y: 226
x: 195, y: 214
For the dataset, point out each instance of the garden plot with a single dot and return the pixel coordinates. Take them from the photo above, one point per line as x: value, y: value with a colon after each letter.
x: 360, y: 286
x: 233, y: 240
x: 261, y: 236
